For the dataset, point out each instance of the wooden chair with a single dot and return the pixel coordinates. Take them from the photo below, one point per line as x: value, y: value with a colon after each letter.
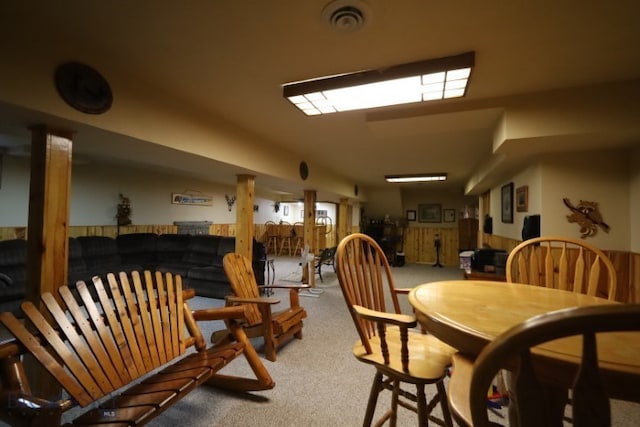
x: 471, y: 379
x: 271, y: 237
x: 326, y: 257
x: 388, y: 341
x: 298, y: 238
x: 562, y: 263
x: 276, y: 327
x: 285, y: 237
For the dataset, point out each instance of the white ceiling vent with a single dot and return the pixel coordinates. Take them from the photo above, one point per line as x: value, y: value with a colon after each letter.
x: 346, y: 16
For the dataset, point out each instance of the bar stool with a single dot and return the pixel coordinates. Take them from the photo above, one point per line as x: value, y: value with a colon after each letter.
x: 271, y: 237
x: 284, y: 237
x: 298, y: 238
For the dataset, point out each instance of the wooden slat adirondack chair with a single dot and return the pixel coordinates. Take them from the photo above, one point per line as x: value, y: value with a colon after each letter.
x: 275, y: 327
x: 98, y: 341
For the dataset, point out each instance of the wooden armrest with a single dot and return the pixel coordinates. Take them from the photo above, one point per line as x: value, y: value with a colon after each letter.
x: 301, y: 286
x: 10, y: 348
x: 20, y: 402
x: 394, y: 319
x: 235, y: 312
x: 459, y: 385
x: 240, y: 300
x: 188, y: 293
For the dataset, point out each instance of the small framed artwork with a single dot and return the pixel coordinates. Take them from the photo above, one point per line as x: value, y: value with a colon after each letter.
x: 506, y: 197
x: 411, y: 215
x: 285, y: 210
x: 192, y: 199
x: 431, y: 212
x: 522, y: 198
x: 449, y: 215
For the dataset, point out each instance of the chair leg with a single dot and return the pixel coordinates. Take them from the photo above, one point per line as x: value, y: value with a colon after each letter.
x: 270, y: 346
x: 444, y: 404
x: 395, y: 396
x: 421, y: 400
x: 376, y: 387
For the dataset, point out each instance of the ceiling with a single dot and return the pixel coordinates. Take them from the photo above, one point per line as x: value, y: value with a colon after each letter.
x: 225, y: 61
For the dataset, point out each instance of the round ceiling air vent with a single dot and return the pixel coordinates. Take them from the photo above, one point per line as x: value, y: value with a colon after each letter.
x: 346, y: 16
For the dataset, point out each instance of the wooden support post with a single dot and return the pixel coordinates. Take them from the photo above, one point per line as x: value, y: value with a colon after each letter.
x: 309, y: 233
x: 244, y: 215
x: 48, y: 235
x: 49, y: 199
x: 343, y: 220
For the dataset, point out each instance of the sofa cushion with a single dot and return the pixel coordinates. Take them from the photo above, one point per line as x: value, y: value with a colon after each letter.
x: 171, y: 247
x: 13, y: 252
x: 99, y: 251
x: 202, y: 250
x: 209, y: 274
x: 10, y: 290
x: 76, y: 262
x: 5, y: 280
x: 138, y: 248
x: 210, y: 282
x: 226, y: 245
x: 13, y: 259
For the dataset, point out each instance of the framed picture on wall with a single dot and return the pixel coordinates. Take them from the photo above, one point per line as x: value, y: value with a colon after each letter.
x: 449, y: 215
x: 411, y: 215
x: 507, y: 203
x: 430, y: 212
x: 522, y: 198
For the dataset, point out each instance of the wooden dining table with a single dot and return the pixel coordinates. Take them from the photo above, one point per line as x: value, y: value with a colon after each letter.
x: 468, y: 314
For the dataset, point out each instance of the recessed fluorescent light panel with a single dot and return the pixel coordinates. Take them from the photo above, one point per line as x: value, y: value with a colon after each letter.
x: 422, y: 81
x: 423, y: 177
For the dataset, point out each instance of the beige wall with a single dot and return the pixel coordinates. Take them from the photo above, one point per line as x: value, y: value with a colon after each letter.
x: 601, y: 177
x: 95, y: 189
x: 381, y: 203
x: 610, y: 178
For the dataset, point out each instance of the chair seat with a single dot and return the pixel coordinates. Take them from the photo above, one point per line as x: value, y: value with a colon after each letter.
x: 287, y: 319
x: 428, y: 356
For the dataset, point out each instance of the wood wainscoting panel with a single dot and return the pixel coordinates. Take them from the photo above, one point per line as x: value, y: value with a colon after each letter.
x: 634, y: 278
x: 419, y: 245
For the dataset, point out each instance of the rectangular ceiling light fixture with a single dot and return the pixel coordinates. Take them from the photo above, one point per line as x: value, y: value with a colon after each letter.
x: 423, y: 177
x: 429, y: 80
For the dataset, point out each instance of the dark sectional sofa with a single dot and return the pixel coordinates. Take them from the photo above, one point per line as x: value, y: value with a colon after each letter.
x: 197, y: 258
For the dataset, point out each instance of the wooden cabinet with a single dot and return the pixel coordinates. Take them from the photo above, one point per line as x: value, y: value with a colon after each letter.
x: 467, y: 234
